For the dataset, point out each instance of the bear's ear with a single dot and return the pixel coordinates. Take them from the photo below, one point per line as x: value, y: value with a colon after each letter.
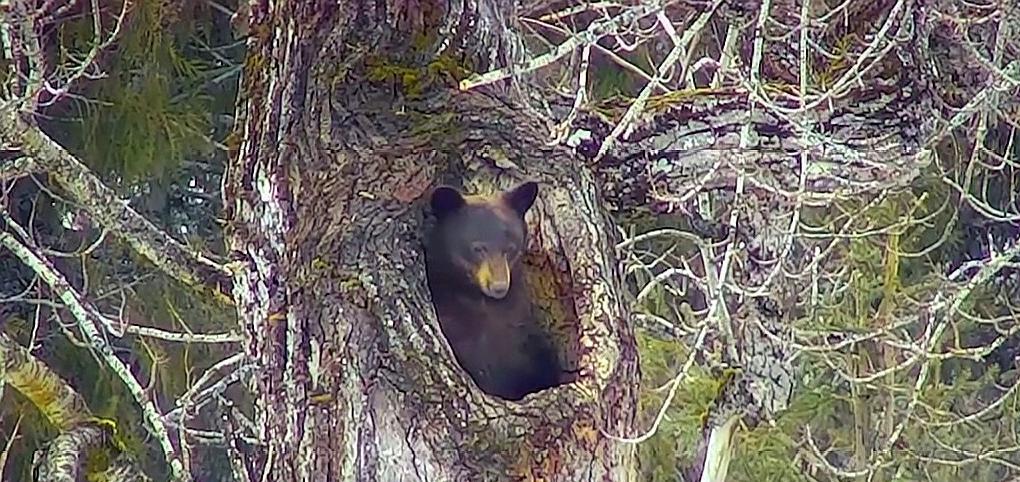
x: 521, y: 197
x: 446, y: 200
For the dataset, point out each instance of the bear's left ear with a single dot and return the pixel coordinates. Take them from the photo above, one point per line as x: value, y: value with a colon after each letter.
x: 446, y: 200
x: 521, y: 197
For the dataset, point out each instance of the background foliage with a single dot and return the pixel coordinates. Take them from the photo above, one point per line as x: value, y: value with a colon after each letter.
x: 155, y: 125
x: 152, y: 127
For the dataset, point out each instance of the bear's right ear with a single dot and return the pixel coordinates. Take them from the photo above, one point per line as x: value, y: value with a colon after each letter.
x: 521, y: 197
x: 446, y: 200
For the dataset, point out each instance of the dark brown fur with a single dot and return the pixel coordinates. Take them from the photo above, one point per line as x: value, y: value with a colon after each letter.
x: 480, y: 293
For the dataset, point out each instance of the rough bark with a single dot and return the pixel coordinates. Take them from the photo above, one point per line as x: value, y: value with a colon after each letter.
x: 324, y: 197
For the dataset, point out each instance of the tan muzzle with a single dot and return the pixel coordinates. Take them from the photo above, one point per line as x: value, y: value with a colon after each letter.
x: 493, y: 276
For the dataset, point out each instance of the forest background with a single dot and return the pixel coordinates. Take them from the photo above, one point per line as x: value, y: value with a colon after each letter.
x: 903, y: 347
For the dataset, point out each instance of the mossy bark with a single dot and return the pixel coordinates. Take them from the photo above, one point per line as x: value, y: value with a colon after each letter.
x: 325, y: 199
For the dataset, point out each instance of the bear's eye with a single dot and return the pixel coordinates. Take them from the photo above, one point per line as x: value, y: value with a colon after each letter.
x: 478, y: 249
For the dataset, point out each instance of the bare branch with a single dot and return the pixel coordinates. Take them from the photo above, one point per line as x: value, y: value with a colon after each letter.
x: 188, y: 266
x: 86, y: 316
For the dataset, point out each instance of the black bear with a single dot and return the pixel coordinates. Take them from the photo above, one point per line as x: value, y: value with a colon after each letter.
x: 473, y: 261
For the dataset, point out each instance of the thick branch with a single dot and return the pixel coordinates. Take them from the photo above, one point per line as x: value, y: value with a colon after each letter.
x: 61, y: 404
x: 66, y: 410
x: 63, y: 458
x: 871, y: 143
x: 863, y: 135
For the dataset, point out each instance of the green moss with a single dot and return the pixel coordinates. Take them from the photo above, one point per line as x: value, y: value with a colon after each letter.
x: 319, y: 264
x: 412, y: 79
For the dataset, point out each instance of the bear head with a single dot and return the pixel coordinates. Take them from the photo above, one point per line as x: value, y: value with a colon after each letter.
x: 483, y: 236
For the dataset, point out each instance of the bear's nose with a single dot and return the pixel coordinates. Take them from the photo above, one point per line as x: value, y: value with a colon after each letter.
x: 498, y: 289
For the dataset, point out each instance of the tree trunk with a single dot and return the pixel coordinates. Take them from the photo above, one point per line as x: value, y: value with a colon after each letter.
x: 347, y: 117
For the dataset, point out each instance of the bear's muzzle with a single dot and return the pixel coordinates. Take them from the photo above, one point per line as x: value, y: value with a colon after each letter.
x: 493, y: 276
